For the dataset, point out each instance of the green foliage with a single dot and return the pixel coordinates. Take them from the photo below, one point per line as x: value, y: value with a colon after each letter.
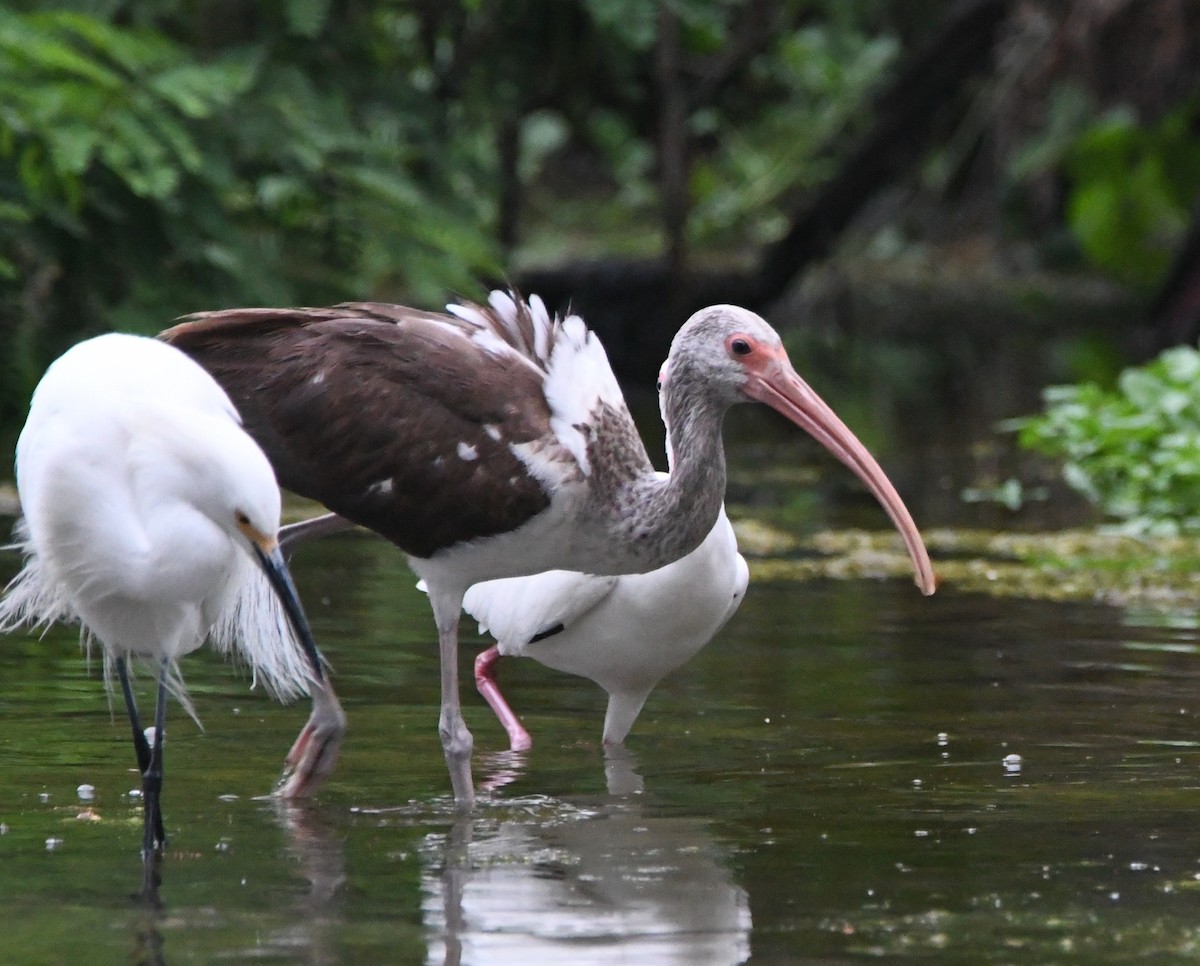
x: 820, y: 79
x: 1130, y: 186
x: 1132, y: 192
x: 1133, y: 450
x: 141, y: 178
x: 757, y: 142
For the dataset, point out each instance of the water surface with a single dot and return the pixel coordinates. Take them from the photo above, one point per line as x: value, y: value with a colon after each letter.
x: 826, y: 782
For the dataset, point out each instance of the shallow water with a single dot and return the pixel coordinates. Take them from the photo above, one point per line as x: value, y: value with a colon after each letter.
x: 825, y: 782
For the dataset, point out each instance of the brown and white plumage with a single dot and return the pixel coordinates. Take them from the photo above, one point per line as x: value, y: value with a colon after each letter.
x: 493, y: 440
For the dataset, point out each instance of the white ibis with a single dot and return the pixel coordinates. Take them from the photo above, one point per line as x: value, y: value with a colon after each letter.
x: 626, y: 632
x: 145, y: 509
x: 493, y: 440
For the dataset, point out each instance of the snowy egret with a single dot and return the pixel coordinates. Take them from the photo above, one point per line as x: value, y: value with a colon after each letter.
x: 493, y: 441
x: 145, y: 508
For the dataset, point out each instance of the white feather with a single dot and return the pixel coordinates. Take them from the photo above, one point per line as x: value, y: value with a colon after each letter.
x: 516, y: 609
x: 578, y: 379
x: 542, y: 326
x: 625, y: 633
x: 130, y: 453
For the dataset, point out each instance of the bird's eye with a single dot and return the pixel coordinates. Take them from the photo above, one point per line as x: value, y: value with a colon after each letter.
x: 658, y: 385
x: 740, y: 347
x: 242, y: 519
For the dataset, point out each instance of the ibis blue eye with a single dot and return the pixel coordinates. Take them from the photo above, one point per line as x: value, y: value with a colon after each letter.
x: 740, y: 347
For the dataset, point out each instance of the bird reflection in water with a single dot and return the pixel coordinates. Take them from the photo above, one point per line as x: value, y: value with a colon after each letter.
x: 530, y: 880
x: 611, y: 872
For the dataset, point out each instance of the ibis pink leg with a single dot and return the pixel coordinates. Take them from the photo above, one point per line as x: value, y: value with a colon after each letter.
x: 316, y: 749
x: 489, y: 687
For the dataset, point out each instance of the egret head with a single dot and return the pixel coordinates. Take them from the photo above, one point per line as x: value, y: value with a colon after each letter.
x: 246, y: 503
x: 230, y: 481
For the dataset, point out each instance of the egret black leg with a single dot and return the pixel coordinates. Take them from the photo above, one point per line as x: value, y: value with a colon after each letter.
x: 145, y: 755
x: 140, y: 745
x: 152, y: 778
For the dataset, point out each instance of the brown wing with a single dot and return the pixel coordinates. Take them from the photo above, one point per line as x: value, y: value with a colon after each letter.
x: 394, y: 419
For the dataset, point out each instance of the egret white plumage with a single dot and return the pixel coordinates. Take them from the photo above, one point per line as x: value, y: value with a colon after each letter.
x: 149, y: 516
x: 493, y: 441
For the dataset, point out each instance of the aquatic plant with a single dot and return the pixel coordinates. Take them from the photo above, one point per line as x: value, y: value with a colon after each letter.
x: 1133, y: 450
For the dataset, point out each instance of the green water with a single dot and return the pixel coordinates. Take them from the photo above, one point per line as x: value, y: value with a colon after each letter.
x: 796, y: 802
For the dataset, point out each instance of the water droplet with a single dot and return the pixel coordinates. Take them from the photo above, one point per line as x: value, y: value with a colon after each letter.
x: 943, y: 738
x: 44, y: 797
x: 1012, y: 764
x: 134, y: 793
x: 921, y: 833
x: 917, y: 783
x: 86, y: 792
x: 53, y: 843
x: 228, y: 797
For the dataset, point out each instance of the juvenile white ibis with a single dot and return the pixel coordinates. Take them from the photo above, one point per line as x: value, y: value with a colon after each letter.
x: 493, y: 440
x: 624, y: 632
x: 145, y: 510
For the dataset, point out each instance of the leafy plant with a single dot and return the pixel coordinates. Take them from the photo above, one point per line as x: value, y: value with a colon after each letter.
x: 144, y: 176
x: 1133, y: 450
x: 1132, y: 188
x: 819, y: 80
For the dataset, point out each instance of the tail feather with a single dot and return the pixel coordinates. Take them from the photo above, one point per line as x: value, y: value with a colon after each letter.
x: 524, y: 325
x: 255, y: 630
x: 31, y: 599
